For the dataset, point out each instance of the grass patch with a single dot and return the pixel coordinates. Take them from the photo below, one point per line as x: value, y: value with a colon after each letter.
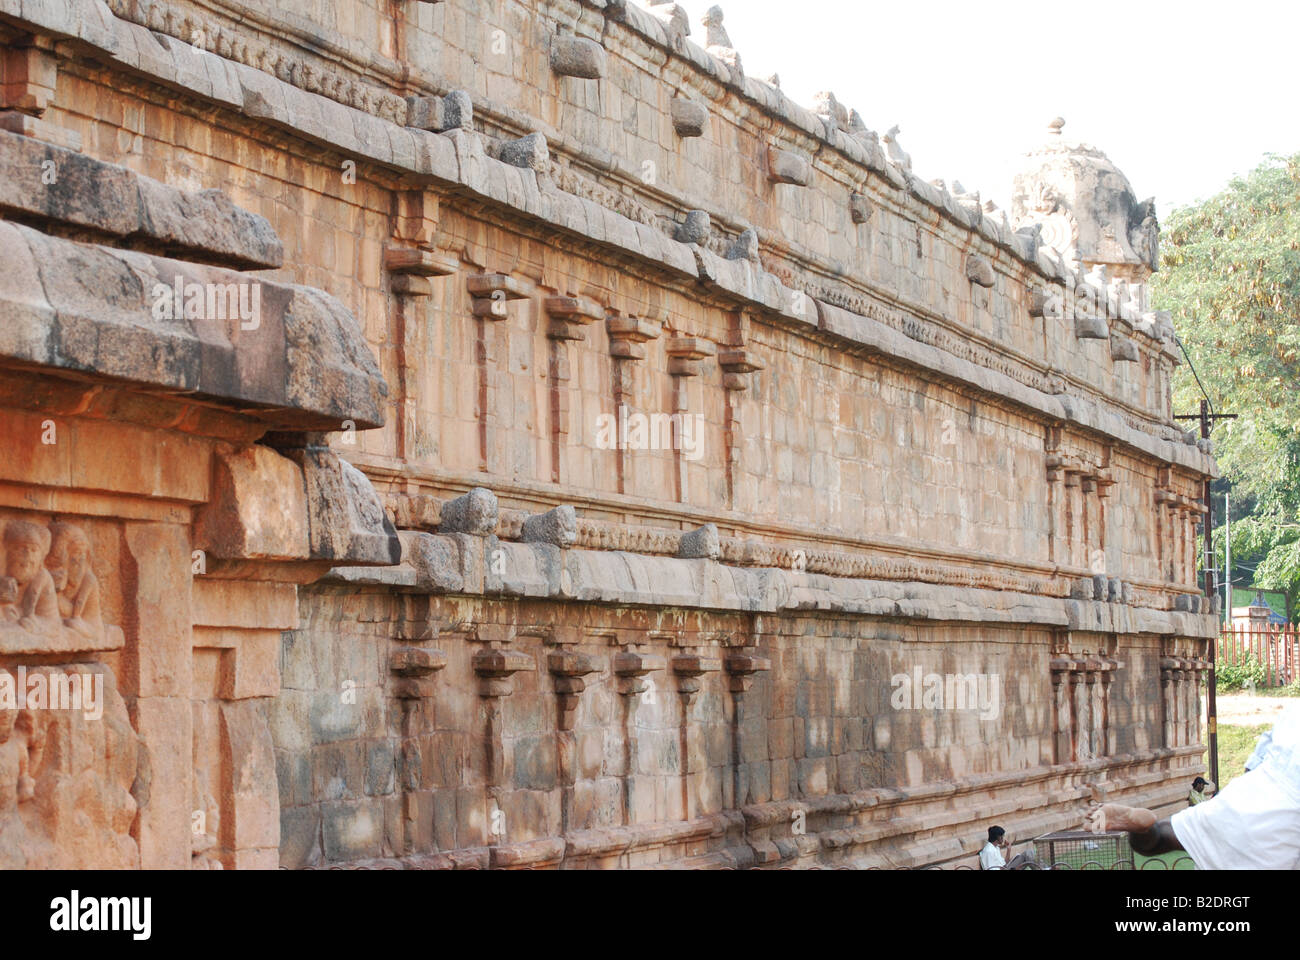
x: 1236, y: 744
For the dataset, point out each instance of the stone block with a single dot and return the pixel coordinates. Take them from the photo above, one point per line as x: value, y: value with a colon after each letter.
x: 1124, y: 349
x: 980, y: 271
x: 258, y: 508
x: 690, y: 118
x: 352, y: 830
x: 697, y: 228
x: 457, y: 111
x: 425, y: 113
x: 558, y: 526
x: 157, y: 659
x: 530, y: 151
x: 577, y: 57
x: 786, y: 166
x: 476, y: 513
x: 702, y: 542
x: 300, y: 837
x: 347, y: 521
x: 861, y: 209
x: 435, y: 559
x: 744, y: 247
x: 1091, y: 328
x: 165, y: 727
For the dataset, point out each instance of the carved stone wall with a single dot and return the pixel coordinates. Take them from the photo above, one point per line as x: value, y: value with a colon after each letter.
x: 323, y: 342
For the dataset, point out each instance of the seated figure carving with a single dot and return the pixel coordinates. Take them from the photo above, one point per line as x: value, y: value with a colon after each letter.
x: 18, y: 741
x: 76, y: 585
x: 29, y: 599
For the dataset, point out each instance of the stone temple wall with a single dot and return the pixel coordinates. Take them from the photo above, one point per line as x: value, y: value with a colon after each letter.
x: 377, y: 580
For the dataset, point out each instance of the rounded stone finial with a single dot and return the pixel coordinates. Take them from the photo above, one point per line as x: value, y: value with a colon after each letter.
x: 1055, y: 127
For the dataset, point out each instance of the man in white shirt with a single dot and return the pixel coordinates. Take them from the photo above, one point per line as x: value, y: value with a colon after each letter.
x: 1251, y: 824
x: 993, y: 854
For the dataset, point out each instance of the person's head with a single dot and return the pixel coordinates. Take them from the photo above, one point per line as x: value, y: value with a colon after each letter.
x: 25, y: 547
x: 996, y: 834
x: 1199, y: 784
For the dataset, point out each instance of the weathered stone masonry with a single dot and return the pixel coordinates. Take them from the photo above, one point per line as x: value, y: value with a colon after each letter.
x: 365, y: 584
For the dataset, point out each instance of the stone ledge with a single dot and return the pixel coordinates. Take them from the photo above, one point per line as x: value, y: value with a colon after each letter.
x: 300, y: 361
x: 457, y: 564
x: 116, y: 201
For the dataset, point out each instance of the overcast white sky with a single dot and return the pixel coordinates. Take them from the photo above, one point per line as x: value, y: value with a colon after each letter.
x: 1180, y: 95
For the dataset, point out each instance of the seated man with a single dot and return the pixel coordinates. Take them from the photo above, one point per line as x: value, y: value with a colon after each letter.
x: 1252, y: 824
x: 993, y: 854
x: 1201, y: 791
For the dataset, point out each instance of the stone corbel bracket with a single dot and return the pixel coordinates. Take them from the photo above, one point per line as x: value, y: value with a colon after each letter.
x: 736, y: 363
x: 577, y: 57
x: 413, y: 669
x: 496, y: 667
x: 411, y: 267
x: 490, y: 292
x: 685, y: 355
x: 690, y: 118
x: 979, y: 270
x: 570, y: 315
x: 741, y: 668
x: 631, y: 668
x: 628, y: 334
x: 861, y: 209
x: 569, y: 668
x: 689, y: 668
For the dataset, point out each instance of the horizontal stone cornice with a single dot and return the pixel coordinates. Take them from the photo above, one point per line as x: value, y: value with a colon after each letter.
x: 458, y: 161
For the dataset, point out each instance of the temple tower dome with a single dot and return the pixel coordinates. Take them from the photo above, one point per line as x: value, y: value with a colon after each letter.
x: 1086, y: 207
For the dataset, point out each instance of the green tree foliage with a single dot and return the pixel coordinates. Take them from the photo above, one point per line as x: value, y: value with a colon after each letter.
x: 1230, y: 275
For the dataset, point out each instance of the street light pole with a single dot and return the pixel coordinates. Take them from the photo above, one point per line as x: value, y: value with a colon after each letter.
x: 1227, y: 560
x: 1211, y: 705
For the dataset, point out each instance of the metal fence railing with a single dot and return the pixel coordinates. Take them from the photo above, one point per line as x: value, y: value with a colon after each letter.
x: 1275, y: 648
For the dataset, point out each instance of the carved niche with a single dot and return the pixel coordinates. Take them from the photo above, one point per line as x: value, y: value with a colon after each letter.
x: 68, y: 754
